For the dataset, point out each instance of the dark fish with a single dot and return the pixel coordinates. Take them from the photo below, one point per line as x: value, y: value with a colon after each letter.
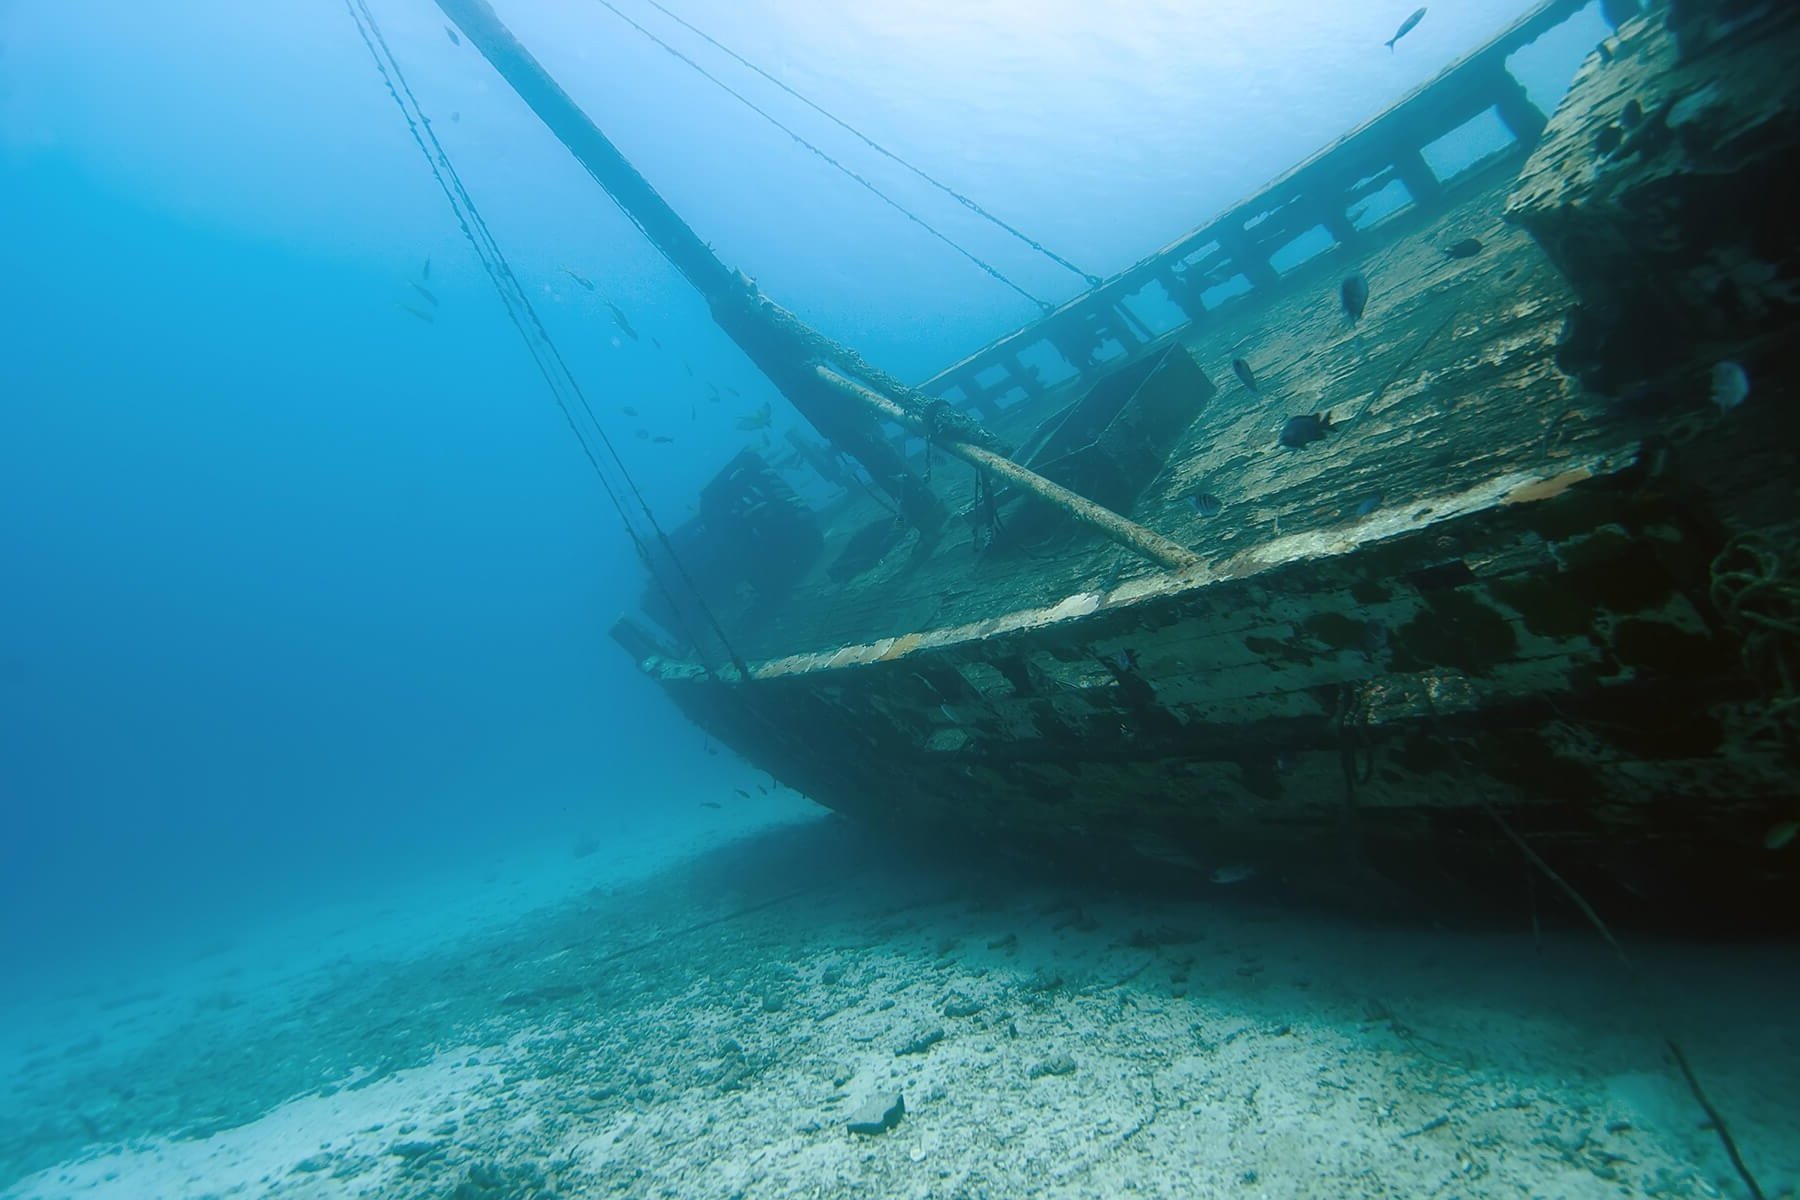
x: 425, y: 292
x: 662, y: 439
x: 1124, y: 662
x: 711, y: 804
x: 417, y: 312
x: 425, y: 271
x: 757, y: 420
x: 1375, y: 639
x: 619, y: 319
x: 643, y: 435
x: 656, y: 343
x: 578, y: 277
x: 1206, y: 504
x: 451, y: 34
x: 741, y: 792
x: 455, y: 118
x: 731, y: 391
x: 1353, y: 294
x: 1367, y: 504
x: 688, y: 368
x: 1632, y: 113
x: 1467, y: 248
x: 629, y: 411
x: 1299, y: 431
x: 1406, y: 27
x: 1244, y: 374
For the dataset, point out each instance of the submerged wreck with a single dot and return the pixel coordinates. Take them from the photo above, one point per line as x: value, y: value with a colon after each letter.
x: 1073, y: 598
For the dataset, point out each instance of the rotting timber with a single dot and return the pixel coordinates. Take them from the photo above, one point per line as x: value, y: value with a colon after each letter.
x: 1531, y: 577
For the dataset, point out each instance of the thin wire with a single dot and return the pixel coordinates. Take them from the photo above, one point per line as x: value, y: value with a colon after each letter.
x: 541, y: 345
x: 1092, y: 279
x: 892, y: 203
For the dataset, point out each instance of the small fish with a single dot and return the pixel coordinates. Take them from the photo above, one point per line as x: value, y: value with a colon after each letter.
x: 425, y: 292
x: 417, y: 312
x: 1730, y: 385
x: 759, y: 419
x: 1375, y: 639
x: 1780, y: 834
x: 1124, y: 662
x: 629, y: 411
x: 1206, y: 504
x: 1353, y: 294
x: 455, y: 117
x: 656, y: 343
x: 425, y: 271
x: 741, y: 792
x: 643, y: 435
x: 687, y: 367
x: 1244, y: 374
x: 731, y: 391
x: 578, y: 277
x: 711, y: 804
x: 662, y: 439
x: 451, y: 34
x: 1467, y: 248
x: 713, y: 750
x: 618, y: 317
x: 1300, y: 431
x: 1226, y: 876
x: 1367, y: 504
x: 1406, y: 27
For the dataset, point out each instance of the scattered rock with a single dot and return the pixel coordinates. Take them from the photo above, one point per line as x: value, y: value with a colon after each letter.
x: 413, y: 1149
x: 922, y: 1041
x: 315, y: 1162
x: 956, y: 1004
x: 878, y: 1114
x: 1056, y: 1064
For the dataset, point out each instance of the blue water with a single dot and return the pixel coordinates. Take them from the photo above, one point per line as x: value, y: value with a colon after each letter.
x: 305, y: 600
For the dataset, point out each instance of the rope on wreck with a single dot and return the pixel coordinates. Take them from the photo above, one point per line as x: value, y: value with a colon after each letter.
x: 886, y: 199
x: 1092, y: 279
x: 519, y: 309
x: 1756, y: 592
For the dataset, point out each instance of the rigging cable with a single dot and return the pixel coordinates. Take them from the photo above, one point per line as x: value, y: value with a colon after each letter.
x: 524, y: 317
x: 1092, y: 279
x: 892, y: 203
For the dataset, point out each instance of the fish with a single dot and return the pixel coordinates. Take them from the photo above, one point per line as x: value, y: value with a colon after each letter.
x: 1467, y: 248
x: 759, y: 419
x: 1730, y: 385
x: 425, y: 292
x: 662, y: 439
x: 629, y: 411
x: 1367, y: 504
x: 713, y: 750
x: 711, y: 804
x: 1244, y: 374
x: 425, y: 271
x: 643, y: 435
x: 417, y: 312
x: 731, y: 391
x: 578, y: 277
x: 1300, y: 431
x: 455, y: 117
x: 452, y: 35
x: 1123, y: 662
x: 656, y: 343
x: 1353, y: 294
x: 1780, y: 834
x: 1206, y: 504
x: 1376, y: 639
x: 741, y: 792
x: 618, y: 317
x: 1406, y: 27
x: 1226, y: 876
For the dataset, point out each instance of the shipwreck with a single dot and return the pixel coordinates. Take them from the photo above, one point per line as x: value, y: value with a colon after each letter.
x: 1072, y: 599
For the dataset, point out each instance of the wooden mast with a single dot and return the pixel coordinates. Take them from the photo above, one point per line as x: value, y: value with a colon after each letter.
x: 779, y: 349
x: 796, y: 358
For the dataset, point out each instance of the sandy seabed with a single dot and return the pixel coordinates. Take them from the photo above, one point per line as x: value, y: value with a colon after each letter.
x: 709, y: 1029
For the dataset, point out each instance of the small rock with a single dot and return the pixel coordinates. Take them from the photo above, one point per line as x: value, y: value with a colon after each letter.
x: 958, y: 1005
x: 412, y: 1149
x: 1056, y: 1064
x: 878, y: 1114
x: 316, y: 1162
x: 922, y: 1042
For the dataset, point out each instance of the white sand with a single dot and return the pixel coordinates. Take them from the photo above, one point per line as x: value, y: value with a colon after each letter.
x: 687, y: 1037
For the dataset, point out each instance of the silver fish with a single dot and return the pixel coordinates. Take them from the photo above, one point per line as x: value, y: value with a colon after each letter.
x: 1225, y: 876
x: 1406, y: 27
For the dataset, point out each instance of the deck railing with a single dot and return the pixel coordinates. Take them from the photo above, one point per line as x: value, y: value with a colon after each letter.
x: 1367, y: 186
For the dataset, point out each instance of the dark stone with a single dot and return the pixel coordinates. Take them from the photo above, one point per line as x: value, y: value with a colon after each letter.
x: 878, y: 1114
x: 922, y: 1042
x: 1056, y: 1064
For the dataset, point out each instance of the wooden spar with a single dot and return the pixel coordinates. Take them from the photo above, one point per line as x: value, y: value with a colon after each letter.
x: 783, y: 349
x: 1129, y: 534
